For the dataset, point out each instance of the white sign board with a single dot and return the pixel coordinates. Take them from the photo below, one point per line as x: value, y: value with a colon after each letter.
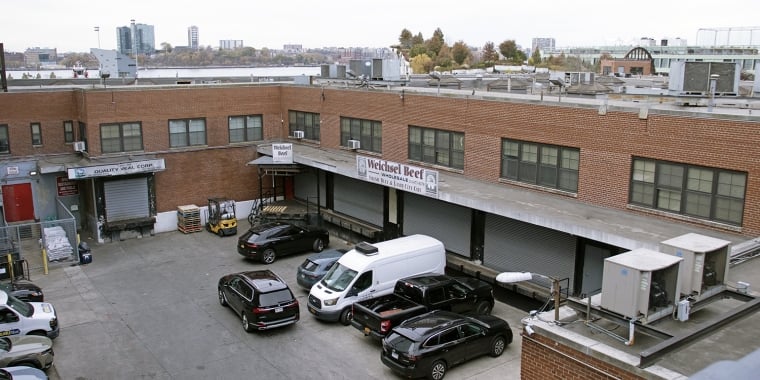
x: 282, y: 153
x: 122, y: 168
x: 400, y: 176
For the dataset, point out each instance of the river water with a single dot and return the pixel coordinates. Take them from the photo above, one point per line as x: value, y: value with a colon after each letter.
x: 187, y: 72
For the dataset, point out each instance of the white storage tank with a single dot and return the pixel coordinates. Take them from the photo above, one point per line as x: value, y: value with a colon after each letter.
x: 705, y: 263
x: 641, y: 284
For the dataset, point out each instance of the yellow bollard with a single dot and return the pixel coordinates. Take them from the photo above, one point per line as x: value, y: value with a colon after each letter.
x: 44, y: 261
x: 10, y: 266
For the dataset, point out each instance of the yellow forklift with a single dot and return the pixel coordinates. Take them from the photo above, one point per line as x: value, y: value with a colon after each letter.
x: 221, y: 217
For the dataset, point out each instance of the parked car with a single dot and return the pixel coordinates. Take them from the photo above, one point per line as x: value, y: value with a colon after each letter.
x: 261, y: 299
x: 22, y: 373
x: 23, y: 290
x: 419, y: 294
x: 270, y: 240
x: 431, y: 343
x: 315, y: 266
x: 28, y: 350
x: 27, y: 318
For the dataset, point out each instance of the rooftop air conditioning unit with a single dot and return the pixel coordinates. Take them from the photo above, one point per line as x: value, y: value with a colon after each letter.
x: 354, y: 144
x: 79, y: 146
x: 366, y: 249
x: 298, y: 134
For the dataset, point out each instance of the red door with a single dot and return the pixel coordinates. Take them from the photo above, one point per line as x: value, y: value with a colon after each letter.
x: 290, y: 192
x: 17, y: 202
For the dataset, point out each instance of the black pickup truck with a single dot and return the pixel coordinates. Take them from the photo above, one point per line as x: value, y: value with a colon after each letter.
x: 416, y: 295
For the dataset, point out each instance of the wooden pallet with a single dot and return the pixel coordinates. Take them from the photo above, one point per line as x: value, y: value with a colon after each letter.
x: 189, y: 219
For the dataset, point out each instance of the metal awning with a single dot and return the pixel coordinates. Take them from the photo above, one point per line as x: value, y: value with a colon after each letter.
x: 267, y: 166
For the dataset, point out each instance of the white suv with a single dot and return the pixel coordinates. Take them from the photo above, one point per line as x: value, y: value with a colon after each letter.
x: 27, y: 318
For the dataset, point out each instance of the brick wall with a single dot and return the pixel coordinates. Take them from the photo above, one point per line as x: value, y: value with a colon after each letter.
x: 606, y: 142
x: 544, y: 359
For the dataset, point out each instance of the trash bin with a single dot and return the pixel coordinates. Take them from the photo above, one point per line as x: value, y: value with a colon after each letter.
x: 85, y: 254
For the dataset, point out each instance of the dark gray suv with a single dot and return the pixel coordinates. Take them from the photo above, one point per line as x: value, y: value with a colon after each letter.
x: 261, y: 299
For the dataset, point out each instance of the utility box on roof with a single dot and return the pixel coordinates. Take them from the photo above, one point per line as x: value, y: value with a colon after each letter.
x: 705, y: 263
x: 641, y: 284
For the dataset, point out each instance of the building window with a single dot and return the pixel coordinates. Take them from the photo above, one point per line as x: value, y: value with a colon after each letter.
x: 36, y: 134
x: 304, y: 121
x: 122, y: 137
x: 5, y: 145
x: 246, y: 128
x: 68, y: 131
x: 437, y: 147
x: 187, y: 132
x: 368, y: 132
x: 706, y: 193
x: 540, y: 164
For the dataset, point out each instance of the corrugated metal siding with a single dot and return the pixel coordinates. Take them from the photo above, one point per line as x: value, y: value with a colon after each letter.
x: 515, y: 246
x: 359, y: 199
x: 126, y: 199
x: 306, y: 187
x: 446, y: 222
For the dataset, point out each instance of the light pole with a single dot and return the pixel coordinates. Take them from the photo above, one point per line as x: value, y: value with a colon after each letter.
x: 97, y: 29
x: 713, y: 85
x: 512, y: 277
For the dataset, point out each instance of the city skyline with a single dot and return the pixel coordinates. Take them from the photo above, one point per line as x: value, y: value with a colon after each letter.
x: 272, y: 25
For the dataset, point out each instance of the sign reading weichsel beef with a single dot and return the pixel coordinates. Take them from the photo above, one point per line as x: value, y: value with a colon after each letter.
x: 282, y: 153
x: 400, y: 176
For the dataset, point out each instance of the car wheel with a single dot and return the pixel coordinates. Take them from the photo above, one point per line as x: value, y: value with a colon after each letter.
x: 346, y: 316
x: 437, y: 370
x: 268, y: 256
x: 222, y: 298
x: 220, y: 232
x: 246, y: 326
x: 484, y: 308
x: 318, y: 245
x: 497, y: 346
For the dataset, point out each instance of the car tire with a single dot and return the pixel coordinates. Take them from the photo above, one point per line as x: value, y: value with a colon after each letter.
x: 319, y: 245
x: 437, y: 370
x: 346, y: 316
x: 498, y: 345
x: 269, y: 256
x: 220, y: 232
x: 222, y: 298
x: 246, y: 325
x: 483, y: 307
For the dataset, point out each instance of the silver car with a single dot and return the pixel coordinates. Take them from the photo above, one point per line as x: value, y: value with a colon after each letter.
x: 26, y: 350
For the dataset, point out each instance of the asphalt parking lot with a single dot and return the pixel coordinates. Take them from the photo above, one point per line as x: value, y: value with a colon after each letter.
x: 147, y: 309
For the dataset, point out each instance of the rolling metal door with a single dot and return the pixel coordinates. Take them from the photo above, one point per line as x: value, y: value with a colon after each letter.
x: 126, y: 199
x: 446, y: 222
x: 515, y: 246
x: 306, y: 186
x: 359, y: 199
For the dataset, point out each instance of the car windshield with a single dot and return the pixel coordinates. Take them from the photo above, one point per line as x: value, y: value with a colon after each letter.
x: 20, y: 306
x: 309, y: 265
x: 5, y: 344
x: 339, y: 278
x: 275, y: 298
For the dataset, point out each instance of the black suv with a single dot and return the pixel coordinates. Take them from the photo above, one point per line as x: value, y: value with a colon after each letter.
x: 261, y: 299
x: 271, y: 240
x: 429, y: 344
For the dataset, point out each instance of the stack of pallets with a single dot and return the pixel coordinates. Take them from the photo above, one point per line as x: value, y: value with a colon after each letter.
x: 189, y: 218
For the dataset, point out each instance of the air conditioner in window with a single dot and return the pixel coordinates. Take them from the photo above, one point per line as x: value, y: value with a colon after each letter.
x: 79, y: 146
x: 298, y: 134
x: 354, y: 144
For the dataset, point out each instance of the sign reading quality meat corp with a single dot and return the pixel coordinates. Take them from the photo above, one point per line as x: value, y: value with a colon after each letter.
x: 400, y: 176
x: 122, y: 168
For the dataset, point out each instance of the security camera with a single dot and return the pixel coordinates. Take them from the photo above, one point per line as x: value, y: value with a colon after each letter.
x: 529, y: 330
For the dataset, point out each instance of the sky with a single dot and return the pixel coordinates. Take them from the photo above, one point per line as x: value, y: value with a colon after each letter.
x: 69, y: 26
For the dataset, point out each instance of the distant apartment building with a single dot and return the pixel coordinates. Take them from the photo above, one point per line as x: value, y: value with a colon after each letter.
x: 40, y: 57
x: 192, y: 37
x: 292, y: 48
x: 542, y: 44
x: 135, y: 39
x: 230, y: 44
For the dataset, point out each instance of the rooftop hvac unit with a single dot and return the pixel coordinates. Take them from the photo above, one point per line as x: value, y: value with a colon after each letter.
x: 366, y: 249
x: 704, y: 269
x: 641, y: 284
x: 298, y: 134
x: 693, y: 78
x: 354, y: 144
x: 79, y: 146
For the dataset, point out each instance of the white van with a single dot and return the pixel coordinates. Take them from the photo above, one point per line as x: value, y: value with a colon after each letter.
x: 371, y: 270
